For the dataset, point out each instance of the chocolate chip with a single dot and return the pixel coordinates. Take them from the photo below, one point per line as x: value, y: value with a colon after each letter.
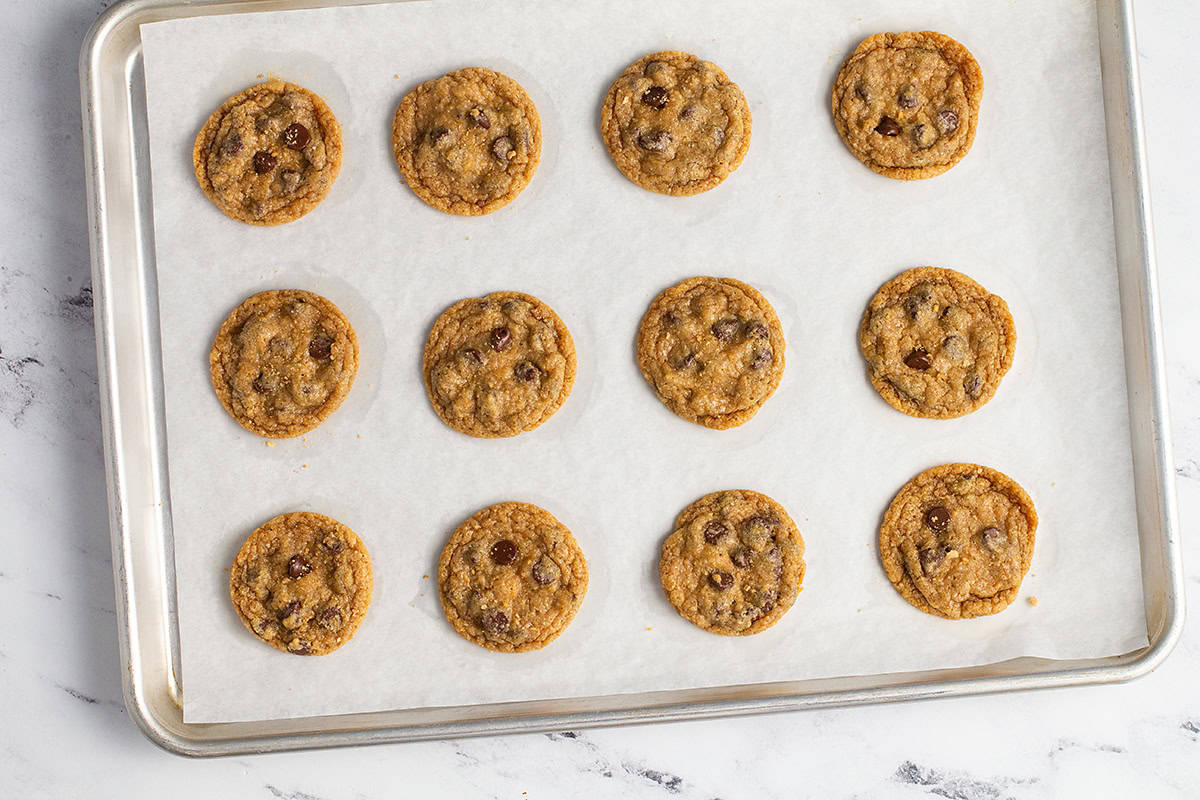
x: 954, y: 347
x: 298, y: 566
x: 437, y: 136
x: 756, y: 531
x: 938, y: 518
x: 494, y: 622
x: 265, y: 624
x: 264, y: 162
x: 670, y: 318
x: 908, y: 97
x: 863, y: 92
x: 263, y: 385
x: 681, y: 359
x: 290, y: 609
x: 919, y: 301
x: 720, y: 579
x: 655, y: 97
x: 330, y: 618
x: 725, y: 329
x: 502, y: 148
x: 545, y: 572
x: 504, y: 553
x: 923, y: 136
x: 776, y: 559
x: 290, y: 180
x: 480, y: 118
x: 332, y: 543
x: 526, y: 372
x: 918, y: 359
x: 501, y: 339
x: 757, y: 330
x: 994, y: 539
x: 931, y: 559
x: 655, y: 141
x: 973, y: 385
x: 888, y: 127
x: 947, y: 121
x: 761, y: 358
x: 741, y: 557
x: 715, y: 531
x: 688, y: 112
x: 299, y: 647
x: 321, y: 347
x: 296, y: 136
x: 232, y: 145
x: 472, y: 355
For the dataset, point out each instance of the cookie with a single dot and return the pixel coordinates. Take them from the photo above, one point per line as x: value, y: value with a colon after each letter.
x: 712, y: 349
x: 511, y: 578
x: 674, y: 124
x: 957, y: 540
x: 302, y: 583
x: 936, y: 343
x: 498, y: 365
x: 468, y: 142
x: 734, y: 563
x: 283, y: 361
x: 270, y: 154
x: 907, y: 104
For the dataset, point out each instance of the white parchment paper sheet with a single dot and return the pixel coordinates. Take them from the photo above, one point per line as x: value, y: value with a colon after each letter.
x: 1027, y: 214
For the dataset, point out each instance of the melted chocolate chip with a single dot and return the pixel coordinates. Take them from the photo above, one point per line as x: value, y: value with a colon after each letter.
x: 298, y: 566
x: 232, y: 145
x: 472, y: 355
x: 688, y: 112
x: 263, y: 385
x: 931, y: 559
x: 919, y: 301
x: 655, y: 97
x: 888, y: 127
x: 908, y: 97
x: 479, y: 117
x: 947, y: 121
x: 545, y: 572
x: 973, y: 385
x: 296, y: 136
x: 918, y: 359
x: 299, y: 647
x: 682, y: 361
x: 290, y: 609
x: 725, y: 329
x: 504, y: 552
x: 501, y: 339
x: 938, y: 518
x: 495, y: 622
x: 863, y: 92
x: 332, y: 544
x: 741, y: 557
x: 715, y: 531
x: 720, y: 579
x: 954, y: 347
x: 761, y: 358
x: 670, y: 318
x: 502, y: 148
x: 330, y: 618
x: 994, y: 539
x: 757, y: 330
x: 264, y: 162
x: 290, y: 180
x: 655, y: 141
x: 437, y: 136
x: 526, y: 372
x: 321, y: 347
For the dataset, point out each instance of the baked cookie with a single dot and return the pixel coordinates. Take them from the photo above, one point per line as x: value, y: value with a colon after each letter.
x: 270, y: 154
x: 468, y: 142
x: 283, y: 361
x: 936, y: 343
x: 734, y: 564
x: 957, y: 540
x: 511, y: 578
x: 498, y: 365
x: 712, y: 349
x: 907, y: 104
x: 302, y: 583
x: 674, y: 124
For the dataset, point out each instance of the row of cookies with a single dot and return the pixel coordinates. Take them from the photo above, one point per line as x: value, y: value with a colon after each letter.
x: 955, y: 542
x: 905, y: 104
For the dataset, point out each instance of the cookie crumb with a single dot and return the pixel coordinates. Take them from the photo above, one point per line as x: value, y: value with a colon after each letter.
x: 270, y: 443
x: 1033, y: 601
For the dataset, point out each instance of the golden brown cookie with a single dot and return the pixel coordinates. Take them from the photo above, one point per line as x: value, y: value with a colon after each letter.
x: 957, y: 540
x: 468, y: 142
x: 283, y: 361
x: 907, y: 104
x: 511, y: 578
x: 498, y: 365
x: 675, y: 124
x: 936, y: 343
x: 270, y: 154
x: 302, y: 583
x: 712, y: 349
x: 734, y: 564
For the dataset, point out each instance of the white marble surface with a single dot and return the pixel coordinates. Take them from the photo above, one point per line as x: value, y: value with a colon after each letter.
x: 65, y: 733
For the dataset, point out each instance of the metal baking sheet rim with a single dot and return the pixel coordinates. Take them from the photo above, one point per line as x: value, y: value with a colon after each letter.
x: 129, y: 370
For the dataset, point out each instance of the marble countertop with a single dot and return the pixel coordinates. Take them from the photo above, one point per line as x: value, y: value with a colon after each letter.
x: 65, y: 732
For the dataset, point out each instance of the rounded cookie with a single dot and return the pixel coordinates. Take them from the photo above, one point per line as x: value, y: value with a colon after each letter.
x: 674, y: 124
x: 907, y: 104
x: 283, y: 361
x: 498, y: 365
x: 957, y: 540
x: 302, y: 583
x: 511, y: 578
x: 936, y: 343
x: 712, y: 349
x: 734, y: 563
x: 468, y: 142
x: 270, y: 154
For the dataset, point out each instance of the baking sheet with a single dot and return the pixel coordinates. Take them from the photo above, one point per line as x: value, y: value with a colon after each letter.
x: 1027, y: 214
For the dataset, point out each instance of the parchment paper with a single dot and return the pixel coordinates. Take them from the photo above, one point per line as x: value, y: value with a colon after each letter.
x: 1027, y: 214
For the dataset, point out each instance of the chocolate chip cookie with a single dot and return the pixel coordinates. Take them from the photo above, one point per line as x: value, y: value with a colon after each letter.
x: 498, y: 365
x: 468, y: 142
x: 712, y: 349
x: 734, y: 564
x: 302, y: 583
x: 283, y: 361
x: 270, y: 154
x: 511, y: 578
x: 957, y: 540
x: 675, y: 124
x: 936, y: 343
x: 907, y: 104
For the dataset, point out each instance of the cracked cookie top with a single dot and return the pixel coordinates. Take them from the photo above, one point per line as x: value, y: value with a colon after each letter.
x: 674, y: 124
x: 958, y: 539
x: 907, y: 104
x: 936, y: 343
x: 268, y: 155
x: 468, y: 142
